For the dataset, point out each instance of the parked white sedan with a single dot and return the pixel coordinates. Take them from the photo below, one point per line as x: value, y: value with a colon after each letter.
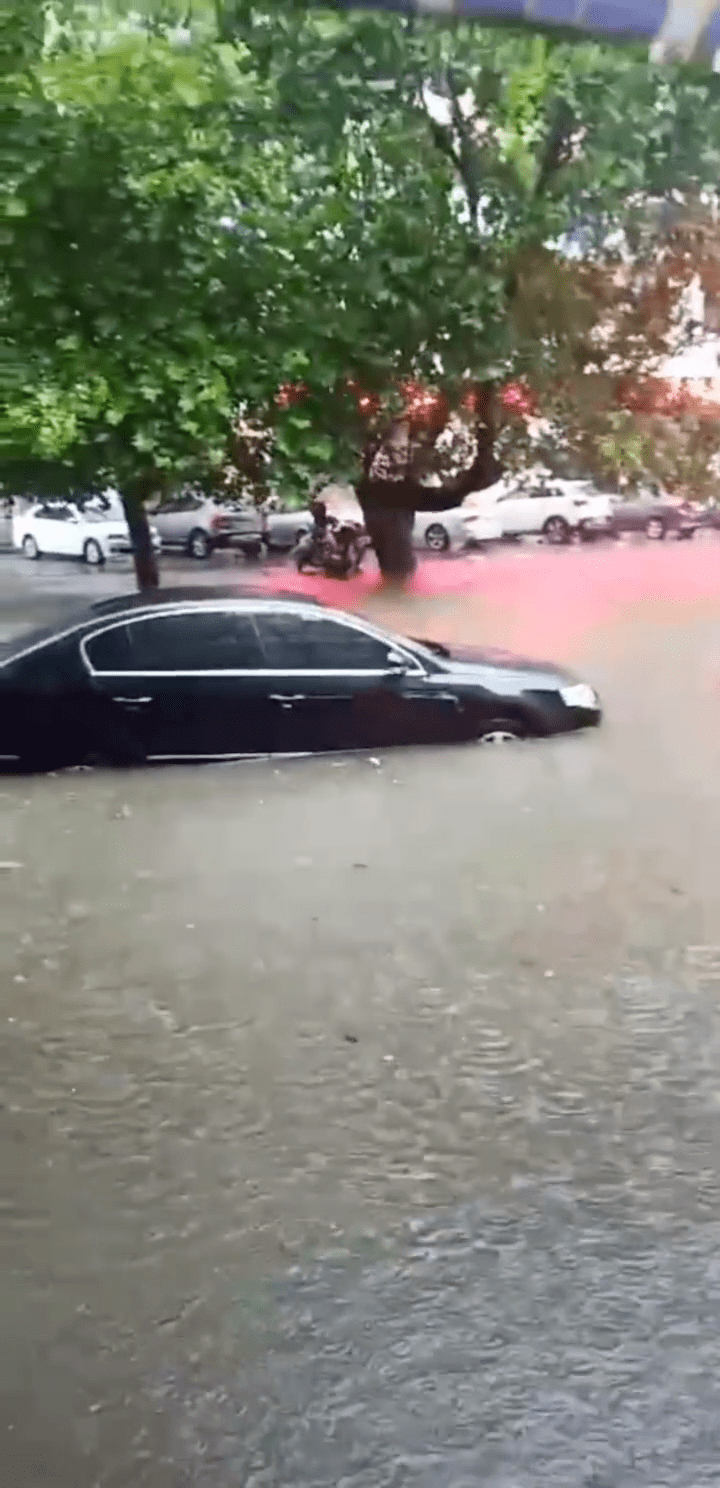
x: 460, y: 527
x: 61, y: 529
x: 553, y: 509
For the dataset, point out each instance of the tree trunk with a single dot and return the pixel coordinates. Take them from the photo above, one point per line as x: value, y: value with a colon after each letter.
x: 147, y: 572
x: 390, y: 531
x: 389, y: 502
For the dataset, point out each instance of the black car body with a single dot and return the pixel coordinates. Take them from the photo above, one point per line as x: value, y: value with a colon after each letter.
x: 218, y: 674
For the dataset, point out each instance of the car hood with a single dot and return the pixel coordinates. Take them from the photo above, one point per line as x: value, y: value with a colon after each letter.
x: 522, y: 670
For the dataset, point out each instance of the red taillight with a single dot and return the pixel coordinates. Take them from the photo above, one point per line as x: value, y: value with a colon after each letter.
x: 221, y: 524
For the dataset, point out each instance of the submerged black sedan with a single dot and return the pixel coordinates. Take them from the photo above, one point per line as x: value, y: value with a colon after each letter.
x: 212, y: 674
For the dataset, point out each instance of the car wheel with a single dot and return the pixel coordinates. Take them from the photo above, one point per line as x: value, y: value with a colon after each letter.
x: 685, y: 533
x: 199, y: 545
x: 437, y: 537
x: 30, y: 547
x: 93, y: 553
x: 122, y: 751
x: 556, y: 531
x: 501, y: 731
x: 655, y: 529
x: 114, y: 758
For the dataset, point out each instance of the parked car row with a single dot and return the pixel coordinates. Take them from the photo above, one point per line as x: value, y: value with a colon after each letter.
x: 197, y: 525
x: 96, y: 529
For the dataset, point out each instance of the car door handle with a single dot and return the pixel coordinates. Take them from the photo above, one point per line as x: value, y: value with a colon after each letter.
x: 286, y: 697
x: 134, y: 702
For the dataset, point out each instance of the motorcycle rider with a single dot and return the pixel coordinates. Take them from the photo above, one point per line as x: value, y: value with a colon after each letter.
x: 319, y: 514
x: 331, y: 544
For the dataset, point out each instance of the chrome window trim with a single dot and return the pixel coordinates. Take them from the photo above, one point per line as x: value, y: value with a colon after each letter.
x: 252, y: 607
x: 262, y: 672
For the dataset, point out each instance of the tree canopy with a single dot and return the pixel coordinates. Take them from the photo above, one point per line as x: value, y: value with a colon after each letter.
x: 328, y: 225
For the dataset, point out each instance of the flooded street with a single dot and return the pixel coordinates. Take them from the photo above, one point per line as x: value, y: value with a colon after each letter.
x: 360, y: 1119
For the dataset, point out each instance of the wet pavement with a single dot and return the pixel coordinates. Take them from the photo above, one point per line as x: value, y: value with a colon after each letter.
x: 360, y: 1120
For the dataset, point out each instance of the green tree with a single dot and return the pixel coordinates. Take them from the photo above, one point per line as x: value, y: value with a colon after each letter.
x: 118, y: 292
x: 333, y: 226
x: 464, y: 166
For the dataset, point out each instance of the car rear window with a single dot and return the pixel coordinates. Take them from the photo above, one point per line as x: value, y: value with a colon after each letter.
x: 205, y: 641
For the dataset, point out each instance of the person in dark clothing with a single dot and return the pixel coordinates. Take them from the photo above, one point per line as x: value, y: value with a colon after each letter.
x: 318, y: 511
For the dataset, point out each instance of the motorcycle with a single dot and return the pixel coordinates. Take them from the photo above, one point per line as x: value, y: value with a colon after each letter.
x: 336, y: 553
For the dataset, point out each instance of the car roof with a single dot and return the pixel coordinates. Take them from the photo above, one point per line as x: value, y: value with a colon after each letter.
x: 72, y: 620
x: 184, y: 593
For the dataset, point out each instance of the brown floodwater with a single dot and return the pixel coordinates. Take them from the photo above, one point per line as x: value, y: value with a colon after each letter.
x: 360, y: 1120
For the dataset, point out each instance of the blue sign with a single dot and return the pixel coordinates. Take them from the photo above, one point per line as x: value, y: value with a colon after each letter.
x: 678, y: 28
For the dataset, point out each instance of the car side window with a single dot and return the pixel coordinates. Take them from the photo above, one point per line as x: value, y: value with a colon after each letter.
x: 205, y: 642
x: 301, y: 643
x: 56, y: 513
x: 110, y: 651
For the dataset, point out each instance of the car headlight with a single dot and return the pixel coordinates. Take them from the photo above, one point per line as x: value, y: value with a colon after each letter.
x: 579, y: 695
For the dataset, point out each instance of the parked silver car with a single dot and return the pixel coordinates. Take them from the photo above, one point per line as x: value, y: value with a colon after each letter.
x: 282, y: 530
x: 6, y: 511
x: 197, y: 524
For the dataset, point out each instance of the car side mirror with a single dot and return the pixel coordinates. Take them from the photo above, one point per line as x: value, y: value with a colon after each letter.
x: 396, y: 665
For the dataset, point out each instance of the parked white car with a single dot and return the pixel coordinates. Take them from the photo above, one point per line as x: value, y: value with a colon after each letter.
x: 459, y: 527
x: 61, y: 529
x: 554, y: 509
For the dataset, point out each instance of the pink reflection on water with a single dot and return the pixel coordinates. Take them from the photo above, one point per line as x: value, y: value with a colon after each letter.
x: 548, y: 595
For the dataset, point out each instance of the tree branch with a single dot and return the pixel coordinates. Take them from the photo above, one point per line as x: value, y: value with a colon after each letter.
x: 467, y: 155
x: 443, y: 139
x: 556, y: 152
x: 410, y: 494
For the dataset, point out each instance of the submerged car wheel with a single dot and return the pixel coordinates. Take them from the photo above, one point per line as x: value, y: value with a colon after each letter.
x: 121, y: 752
x: 501, y: 731
x: 437, y: 537
x: 30, y: 547
x: 93, y: 553
x: 556, y: 530
x: 199, y: 544
x: 655, y: 528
